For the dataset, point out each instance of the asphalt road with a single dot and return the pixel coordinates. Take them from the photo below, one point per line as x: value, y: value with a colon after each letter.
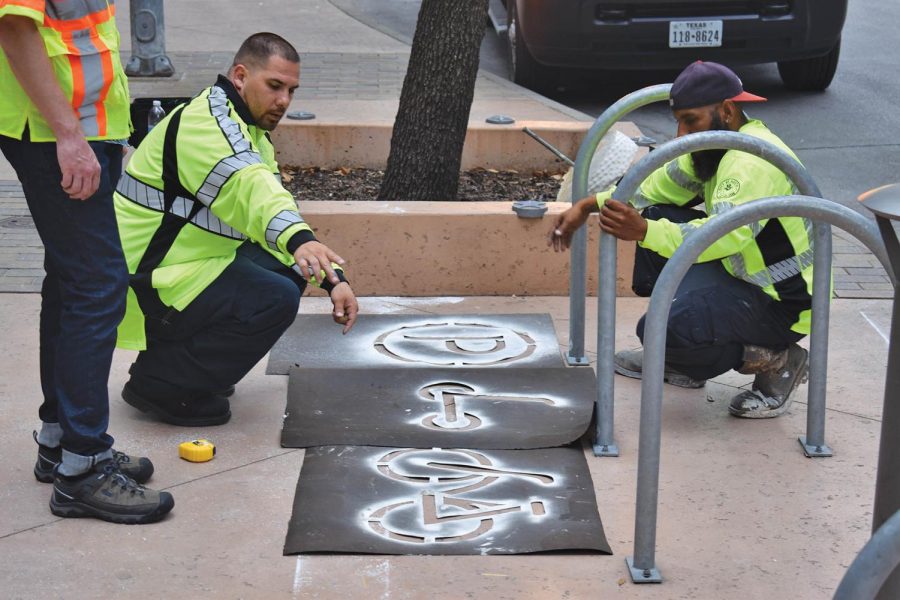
x: 847, y: 136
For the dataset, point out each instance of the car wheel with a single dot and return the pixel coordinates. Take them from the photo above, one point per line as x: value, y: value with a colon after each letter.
x: 523, y: 69
x: 810, y: 74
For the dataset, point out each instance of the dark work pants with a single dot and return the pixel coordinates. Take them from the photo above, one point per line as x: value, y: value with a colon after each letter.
x: 223, y: 333
x: 83, y: 294
x: 713, y: 314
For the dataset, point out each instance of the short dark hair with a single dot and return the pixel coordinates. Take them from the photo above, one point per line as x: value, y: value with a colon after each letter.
x: 260, y: 47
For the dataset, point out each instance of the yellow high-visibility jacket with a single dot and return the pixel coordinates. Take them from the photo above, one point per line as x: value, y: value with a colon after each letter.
x: 82, y: 41
x: 774, y: 254
x: 202, y: 182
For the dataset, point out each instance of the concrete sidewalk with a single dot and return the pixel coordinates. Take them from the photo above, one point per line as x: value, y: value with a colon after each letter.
x: 743, y: 514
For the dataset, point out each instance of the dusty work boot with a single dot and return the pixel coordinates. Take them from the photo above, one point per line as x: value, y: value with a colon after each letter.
x: 197, y: 410
x: 138, y: 468
x: 106, y: 493
x: 773, y: 386
x: 630, y: 364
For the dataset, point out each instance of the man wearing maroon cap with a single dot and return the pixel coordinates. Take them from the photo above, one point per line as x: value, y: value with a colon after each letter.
x: 746, y: 303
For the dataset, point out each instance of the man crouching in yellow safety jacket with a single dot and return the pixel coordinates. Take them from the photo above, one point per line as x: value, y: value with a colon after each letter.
x: 747, y: 301
x: 217, y: 251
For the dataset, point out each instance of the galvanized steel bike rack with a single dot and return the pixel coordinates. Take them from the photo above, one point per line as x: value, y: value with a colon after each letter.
x: 604, y: 444
x: 824, y: 213
x: 873, y: 565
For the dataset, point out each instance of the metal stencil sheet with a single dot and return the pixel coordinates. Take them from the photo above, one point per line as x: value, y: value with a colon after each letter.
x: 451, y: 341
x: 423, y: 408
x: 362, y: 499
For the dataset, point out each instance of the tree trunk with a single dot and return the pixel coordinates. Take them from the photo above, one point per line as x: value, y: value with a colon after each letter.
x: 431, y: 123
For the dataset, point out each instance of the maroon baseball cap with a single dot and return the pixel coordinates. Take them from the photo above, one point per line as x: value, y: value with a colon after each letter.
x: 704, y: 83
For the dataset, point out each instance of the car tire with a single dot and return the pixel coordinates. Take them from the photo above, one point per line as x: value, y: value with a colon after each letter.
x: 810, y: 74
x: 523, y: 69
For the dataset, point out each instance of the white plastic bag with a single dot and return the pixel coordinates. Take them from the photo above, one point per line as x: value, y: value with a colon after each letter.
x: 612, y: 158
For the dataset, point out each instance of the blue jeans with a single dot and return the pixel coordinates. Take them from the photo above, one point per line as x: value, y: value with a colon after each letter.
x: 83, y: 295
x: 223, y: 332
x: 713, y: 315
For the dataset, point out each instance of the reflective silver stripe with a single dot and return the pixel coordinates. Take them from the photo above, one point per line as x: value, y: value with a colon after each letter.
x: 791, y: 266
x: 150, y: 197
x: 75, y: 9
x: 218, y: 106
x: 722, y: 206
x: 220, y: 173
x: 640, y: 201
x: 687, y: 228
x: 681, y: 178
x: 278, y: 224
x: 739, y: 269
x: 780, y: 271
x: 94, y: 80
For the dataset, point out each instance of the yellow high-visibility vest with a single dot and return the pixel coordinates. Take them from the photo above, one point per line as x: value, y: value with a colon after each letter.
x: 82, y: 42
x: 774, y: 254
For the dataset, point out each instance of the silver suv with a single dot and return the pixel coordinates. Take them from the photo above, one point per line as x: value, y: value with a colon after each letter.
x: 802, y: 36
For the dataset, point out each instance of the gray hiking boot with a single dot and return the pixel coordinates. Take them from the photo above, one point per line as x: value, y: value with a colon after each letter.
x: 138, y: 468
x: 630, y: 364
x: 106, y: 493
x: 773, y: 389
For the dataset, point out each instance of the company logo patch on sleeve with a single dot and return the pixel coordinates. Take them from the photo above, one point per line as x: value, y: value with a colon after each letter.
x: 728, y: 188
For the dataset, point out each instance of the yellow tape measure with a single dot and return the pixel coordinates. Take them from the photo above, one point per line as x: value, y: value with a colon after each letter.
x: 197, y: 450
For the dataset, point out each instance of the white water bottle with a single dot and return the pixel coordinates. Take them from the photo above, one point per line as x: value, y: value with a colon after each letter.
x: 155, y: 115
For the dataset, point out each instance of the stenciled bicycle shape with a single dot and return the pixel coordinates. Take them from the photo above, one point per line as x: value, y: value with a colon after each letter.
x: 443, y: 512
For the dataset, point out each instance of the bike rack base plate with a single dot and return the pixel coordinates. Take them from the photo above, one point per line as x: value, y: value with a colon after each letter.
x: 362, y: 499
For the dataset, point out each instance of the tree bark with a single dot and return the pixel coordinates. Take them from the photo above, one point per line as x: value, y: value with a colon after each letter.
x: 431, y: 123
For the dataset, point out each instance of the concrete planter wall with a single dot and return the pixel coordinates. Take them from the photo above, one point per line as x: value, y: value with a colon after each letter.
x: 445, y: 248
x: 452, y: 248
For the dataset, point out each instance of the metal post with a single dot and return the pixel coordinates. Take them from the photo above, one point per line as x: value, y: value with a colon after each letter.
x: 885, y: 203
x: 874, y: 563
x: 604, y: 443
x: 813, y: 443
x: 577, y: 284
x: 642, y: 566
x: 148, y: 41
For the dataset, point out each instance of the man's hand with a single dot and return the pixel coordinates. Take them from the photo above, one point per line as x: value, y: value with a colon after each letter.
x: 622, y: 221
x: 560, y: 235
x: 345, y: 306
x: 315, y: 257
x: 79, y: 166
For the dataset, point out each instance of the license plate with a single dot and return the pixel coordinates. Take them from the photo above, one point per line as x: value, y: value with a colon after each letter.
x: 695, y: 34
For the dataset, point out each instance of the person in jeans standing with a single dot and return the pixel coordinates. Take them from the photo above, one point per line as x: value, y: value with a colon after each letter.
x: 64, y: 116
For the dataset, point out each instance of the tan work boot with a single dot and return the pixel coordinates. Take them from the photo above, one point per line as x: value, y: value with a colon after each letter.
x: 630, y: 363
x: 774, y: 383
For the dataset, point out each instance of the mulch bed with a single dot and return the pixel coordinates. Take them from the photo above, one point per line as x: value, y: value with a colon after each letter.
x: 310, y: 184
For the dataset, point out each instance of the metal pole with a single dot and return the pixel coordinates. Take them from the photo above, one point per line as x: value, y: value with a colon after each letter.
x: 885, y: 203
x: 873, y: 565
x: 814, y: 443
x: 642, y: 566
x: 148, y: 41
x: 604, y: 443
x: 577, y: 283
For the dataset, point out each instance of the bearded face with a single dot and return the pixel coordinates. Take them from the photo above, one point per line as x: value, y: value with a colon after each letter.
x: 706, y: 162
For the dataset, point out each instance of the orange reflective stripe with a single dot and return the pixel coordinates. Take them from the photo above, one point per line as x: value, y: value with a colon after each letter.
x: 77, y: 72
x: 87, y: 22
x: 32, y: 4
